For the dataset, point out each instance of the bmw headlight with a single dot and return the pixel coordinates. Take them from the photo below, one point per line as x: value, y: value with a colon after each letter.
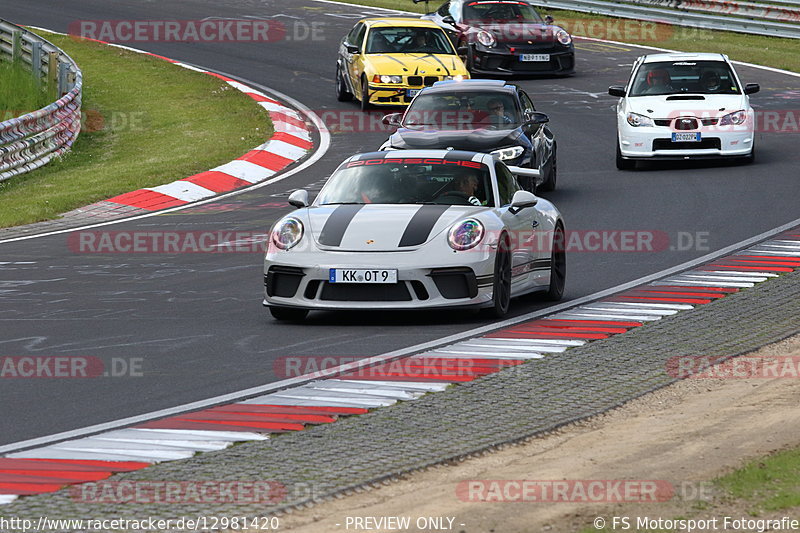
x: 287, y: 233
x: 486, y: 38
x: 465, y: 235
x: 563, y: 37
x: 459, y: 77
x: 734, y: 119
x: 387, y: 79
x: 512, y: 152
x: 639, y: 121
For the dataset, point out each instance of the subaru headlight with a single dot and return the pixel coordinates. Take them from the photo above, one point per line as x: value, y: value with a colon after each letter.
x: 387, y: 79
x: 639, y: 121
x: 734, y: 119
x: 459, y: 77
x: 287, y: 233
x: 512, y: 152
x: 465, y: 235
x: 563, y: 37
x: 486, y: 38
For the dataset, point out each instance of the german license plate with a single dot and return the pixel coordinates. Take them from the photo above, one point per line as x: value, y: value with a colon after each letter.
x: 534, y: 57
x: 362, y: 275
x: 411, y: 93
x: 686, y: 137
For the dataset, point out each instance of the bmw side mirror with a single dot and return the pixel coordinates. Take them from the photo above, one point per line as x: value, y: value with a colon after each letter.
x: 548, y: 19
x: 617, y: 90
x: 448, y: 19
x: 538, y: 118
x: 299, y: 198
x: 523, y: 199
x: 392, y: 119
x: 751, y: 88
x: 351, y: 48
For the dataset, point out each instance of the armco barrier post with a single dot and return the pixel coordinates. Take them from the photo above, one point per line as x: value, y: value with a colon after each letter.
x: 36, y: 61
x: 16, y: 46
x: 52, y: 68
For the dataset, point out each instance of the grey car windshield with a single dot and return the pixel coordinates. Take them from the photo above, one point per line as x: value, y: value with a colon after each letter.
x: 462, y: 110
x: 684, y: 77
x: 408, y: 40
x: 500, y: 12
x: 409, y: 181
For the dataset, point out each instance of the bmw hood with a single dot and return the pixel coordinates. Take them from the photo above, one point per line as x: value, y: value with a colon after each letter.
x: 382, y: 227
x: 675, y: 105
x: 416, y: 64
x: 480, y: 140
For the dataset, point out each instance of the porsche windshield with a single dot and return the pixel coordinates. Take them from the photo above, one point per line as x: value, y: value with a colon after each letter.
x: 462, y: 110
x: 684, y: 77
x: 409, y: 181
x: 501, y: 12
x: 400, y: 40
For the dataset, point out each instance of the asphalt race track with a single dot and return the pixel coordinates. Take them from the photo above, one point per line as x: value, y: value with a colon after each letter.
x: 192, y: 325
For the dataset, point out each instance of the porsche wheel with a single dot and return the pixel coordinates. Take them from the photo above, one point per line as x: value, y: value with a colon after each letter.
x: 501, y: 289
x: 288, y: 314
x: 342, y: 94
x: 558, y: 266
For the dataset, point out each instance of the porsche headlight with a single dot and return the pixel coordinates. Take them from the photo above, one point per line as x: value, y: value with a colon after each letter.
x: 459, y: 77
x: 465, y: 235
x: 486, y: 38
x: 734, y: 119
x: 639, y: 121
x: 287, y: 233
x: 512, y: 152
x: 563, y: 37
x: 387, y: 79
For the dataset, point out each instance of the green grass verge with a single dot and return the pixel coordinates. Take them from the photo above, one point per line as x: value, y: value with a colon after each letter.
x: 20, y: 92
x: 148, y: 122
x: 768, y: 484
x: 770, y: 51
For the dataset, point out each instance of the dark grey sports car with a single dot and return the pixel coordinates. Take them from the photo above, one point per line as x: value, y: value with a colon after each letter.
x: 489, y: 116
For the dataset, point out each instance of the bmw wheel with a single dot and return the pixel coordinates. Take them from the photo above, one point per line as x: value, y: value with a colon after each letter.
x: 364, y: 94
x: 550, y: 183
x: 342, y: 94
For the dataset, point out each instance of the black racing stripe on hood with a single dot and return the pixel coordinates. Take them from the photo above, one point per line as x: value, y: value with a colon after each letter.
x: 421, y: 224
x: 337, y: 223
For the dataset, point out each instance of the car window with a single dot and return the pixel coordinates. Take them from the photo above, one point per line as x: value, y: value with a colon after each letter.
x: 527, y: 105
x: 444, y: 9
x: 408, y: 40
x: 684, y: 77
x: 356, y: 35
x: 462, y: 109
x: 399, y: 180
x: 506, y: 184
x: 502, y: 11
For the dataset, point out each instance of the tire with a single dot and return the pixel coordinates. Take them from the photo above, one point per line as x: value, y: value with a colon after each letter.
x: 558, y: 266
x: 550, y: 184
x: 749, y: 159
x: 342, y: 94
x: 364, y: 94
x: 501, y: 288
x: 288, y: 314
x: 624, y: 164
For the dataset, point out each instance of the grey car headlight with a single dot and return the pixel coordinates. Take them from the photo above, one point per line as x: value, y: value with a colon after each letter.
x: 465, y: 235
x: 287, y: 233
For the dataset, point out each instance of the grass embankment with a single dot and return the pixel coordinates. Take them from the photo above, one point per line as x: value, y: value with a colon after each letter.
x: 20, y: 92
x: 765, y: 489
x: 762, y: 50
x: 147, y: 122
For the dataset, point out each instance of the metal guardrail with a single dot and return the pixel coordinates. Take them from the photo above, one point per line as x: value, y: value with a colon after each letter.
x: 685, y: 13
x: 33, y: 139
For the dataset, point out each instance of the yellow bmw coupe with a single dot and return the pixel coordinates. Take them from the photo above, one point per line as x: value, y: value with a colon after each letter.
x: 387, y: 61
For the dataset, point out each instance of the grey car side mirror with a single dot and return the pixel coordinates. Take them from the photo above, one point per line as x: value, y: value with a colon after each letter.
x: 299, y: 198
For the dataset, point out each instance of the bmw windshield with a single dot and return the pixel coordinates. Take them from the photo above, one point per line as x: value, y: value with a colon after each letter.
x: 684, y: 77
x: 462, y: 110
x: 409, y: 40
x: 408, y: 181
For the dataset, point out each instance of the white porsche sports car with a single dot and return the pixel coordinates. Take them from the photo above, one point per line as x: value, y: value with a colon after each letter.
x: 682, y: 106
x: 411, y: 230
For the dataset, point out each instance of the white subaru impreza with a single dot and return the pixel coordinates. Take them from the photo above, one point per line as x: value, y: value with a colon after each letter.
x: 682, y: 106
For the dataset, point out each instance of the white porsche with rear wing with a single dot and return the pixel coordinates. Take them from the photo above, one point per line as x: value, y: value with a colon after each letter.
x: 414, y: 230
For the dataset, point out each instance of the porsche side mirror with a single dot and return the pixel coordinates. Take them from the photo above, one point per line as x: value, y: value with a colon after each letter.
x: 392, y: 119
x: 617, y: 90
x: 351, y: 48
x: 523, y: 199
x: 548, y: 19
x: 299, y: 198
x: 751, y: 88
